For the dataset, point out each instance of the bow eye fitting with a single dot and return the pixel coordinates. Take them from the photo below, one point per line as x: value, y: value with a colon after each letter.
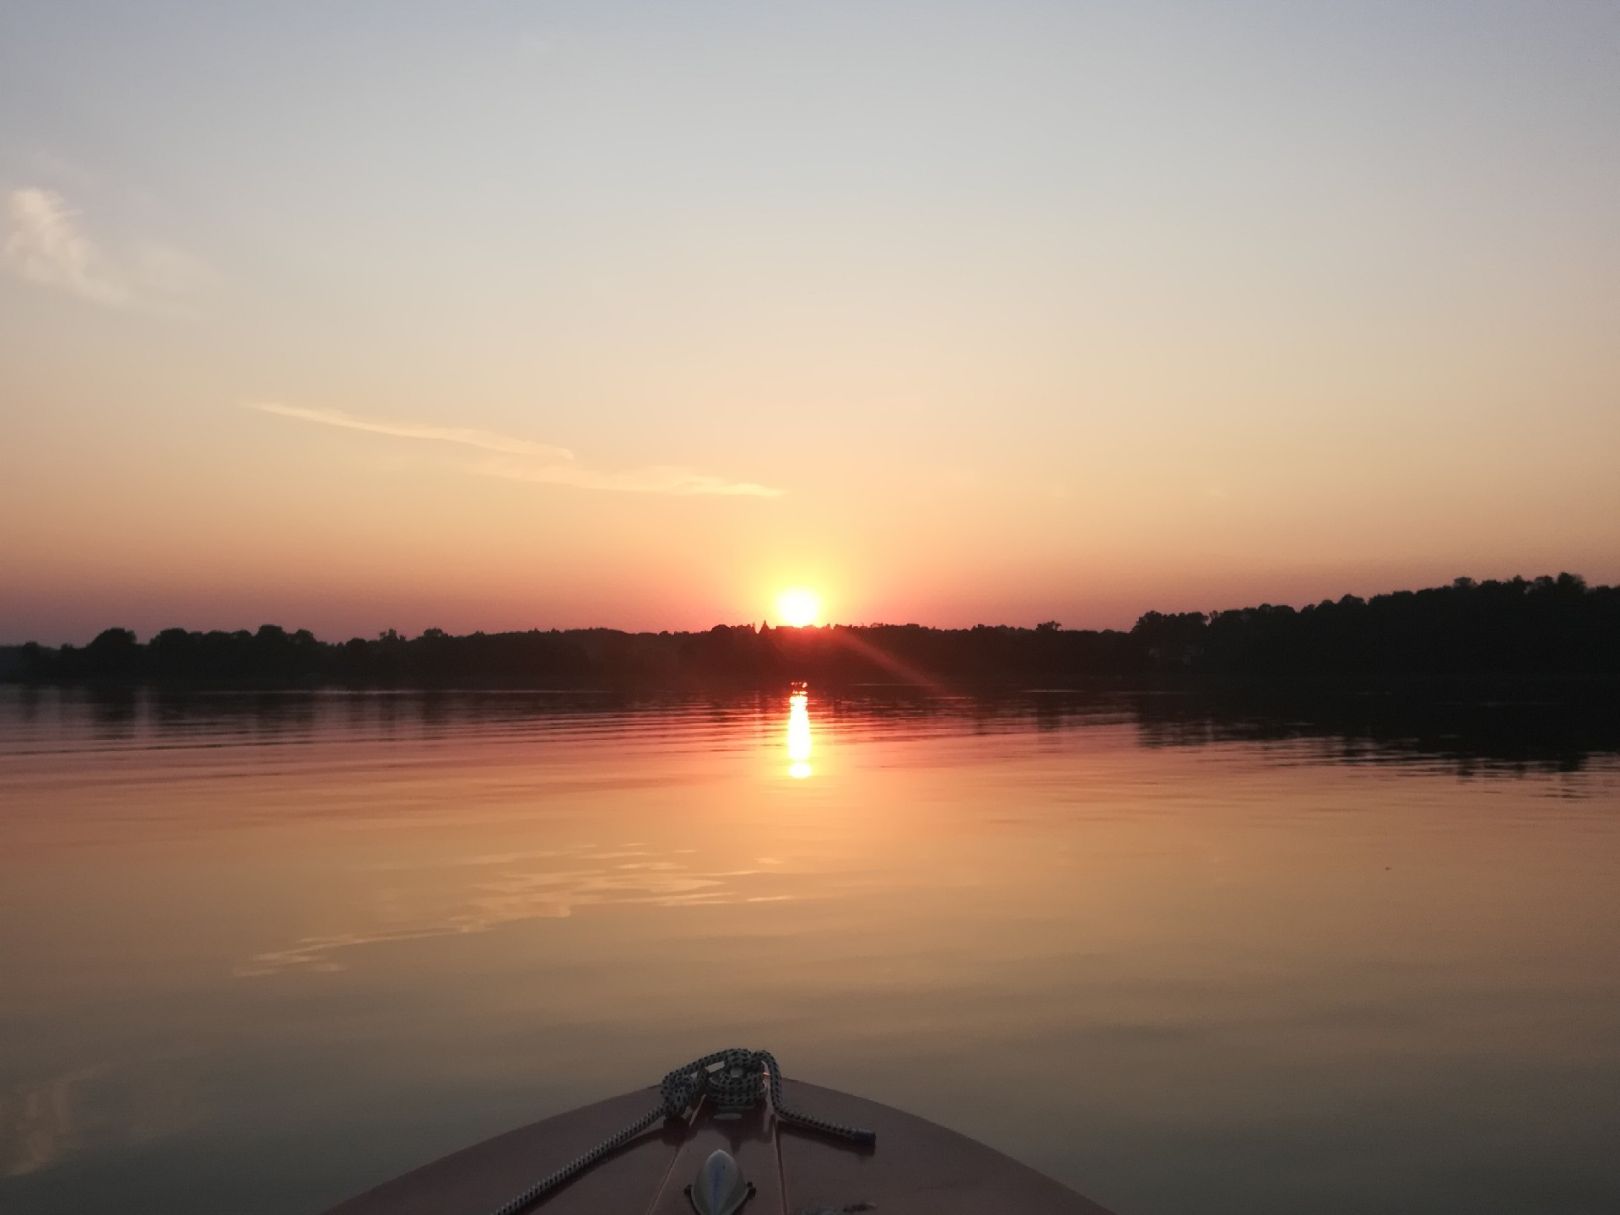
x: 719, y: 1188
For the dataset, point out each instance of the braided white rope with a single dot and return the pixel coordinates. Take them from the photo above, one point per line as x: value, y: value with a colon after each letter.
x: 731, y: 1078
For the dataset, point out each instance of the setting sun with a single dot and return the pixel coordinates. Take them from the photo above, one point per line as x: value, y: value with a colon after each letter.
x: 798, y: 607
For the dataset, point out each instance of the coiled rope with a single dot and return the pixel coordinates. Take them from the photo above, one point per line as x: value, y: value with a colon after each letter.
x: 730, y: 1078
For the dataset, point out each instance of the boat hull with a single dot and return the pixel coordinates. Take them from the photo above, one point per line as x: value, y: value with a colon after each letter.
x: 915, y: 1166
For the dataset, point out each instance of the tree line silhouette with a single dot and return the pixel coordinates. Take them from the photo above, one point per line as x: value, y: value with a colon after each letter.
x: 1544, y: 626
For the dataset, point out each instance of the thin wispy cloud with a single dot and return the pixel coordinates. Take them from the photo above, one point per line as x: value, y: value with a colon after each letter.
x: 485, y: 440
x: 527, y: 460
x: 46, y: 244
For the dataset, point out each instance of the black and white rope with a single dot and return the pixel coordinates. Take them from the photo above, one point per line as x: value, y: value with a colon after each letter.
x: 730, y: 1078
x: 798, y: 1117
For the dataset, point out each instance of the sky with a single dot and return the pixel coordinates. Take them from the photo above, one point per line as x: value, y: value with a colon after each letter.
x: 496, y: 315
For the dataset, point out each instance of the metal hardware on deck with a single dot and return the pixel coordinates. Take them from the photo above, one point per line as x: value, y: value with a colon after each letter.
x: 731, y: 1078
x: 720, y: 1188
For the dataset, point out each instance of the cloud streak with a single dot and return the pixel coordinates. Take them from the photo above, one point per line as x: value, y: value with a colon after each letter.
x: 46, y: 245
x: 484, y: 440
x: 526, y: 460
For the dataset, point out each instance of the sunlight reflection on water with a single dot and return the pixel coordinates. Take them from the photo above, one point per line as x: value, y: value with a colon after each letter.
x: 798, y: 735
x: 359, y: 931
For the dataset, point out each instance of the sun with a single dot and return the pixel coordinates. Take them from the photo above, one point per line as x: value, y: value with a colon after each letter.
x: 798, y: 607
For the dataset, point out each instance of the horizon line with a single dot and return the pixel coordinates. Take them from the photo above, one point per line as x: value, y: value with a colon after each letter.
x: 1564, y: 579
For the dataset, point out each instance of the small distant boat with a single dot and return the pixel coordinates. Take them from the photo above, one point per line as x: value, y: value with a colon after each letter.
x: 726, y: 1135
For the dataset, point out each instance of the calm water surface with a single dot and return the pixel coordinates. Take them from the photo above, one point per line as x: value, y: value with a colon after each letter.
x: 257, y: 953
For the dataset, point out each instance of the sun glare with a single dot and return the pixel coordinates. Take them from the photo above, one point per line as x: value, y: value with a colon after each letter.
x: 798, y: 738
x: 798, y: 607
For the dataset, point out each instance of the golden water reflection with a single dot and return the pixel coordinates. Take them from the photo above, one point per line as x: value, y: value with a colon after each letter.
x: 221, y: 913
x: 798, y: 733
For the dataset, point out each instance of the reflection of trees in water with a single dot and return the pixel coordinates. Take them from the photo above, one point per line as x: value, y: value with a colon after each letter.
x: 1512, y: 726
x: 1510, y: 729
x: 114, y: 711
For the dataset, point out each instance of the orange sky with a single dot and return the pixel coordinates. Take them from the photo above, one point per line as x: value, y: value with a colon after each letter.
x: 954, y: 315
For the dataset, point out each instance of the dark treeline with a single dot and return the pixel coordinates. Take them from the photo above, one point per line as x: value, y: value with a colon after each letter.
x: 1524, y: 627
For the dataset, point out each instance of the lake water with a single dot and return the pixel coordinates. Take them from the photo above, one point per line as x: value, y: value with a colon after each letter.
x: 260, y: 952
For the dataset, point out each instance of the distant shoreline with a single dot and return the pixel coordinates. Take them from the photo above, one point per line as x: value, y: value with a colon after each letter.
x: 1479, y: 687
x: 1547, y: 628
